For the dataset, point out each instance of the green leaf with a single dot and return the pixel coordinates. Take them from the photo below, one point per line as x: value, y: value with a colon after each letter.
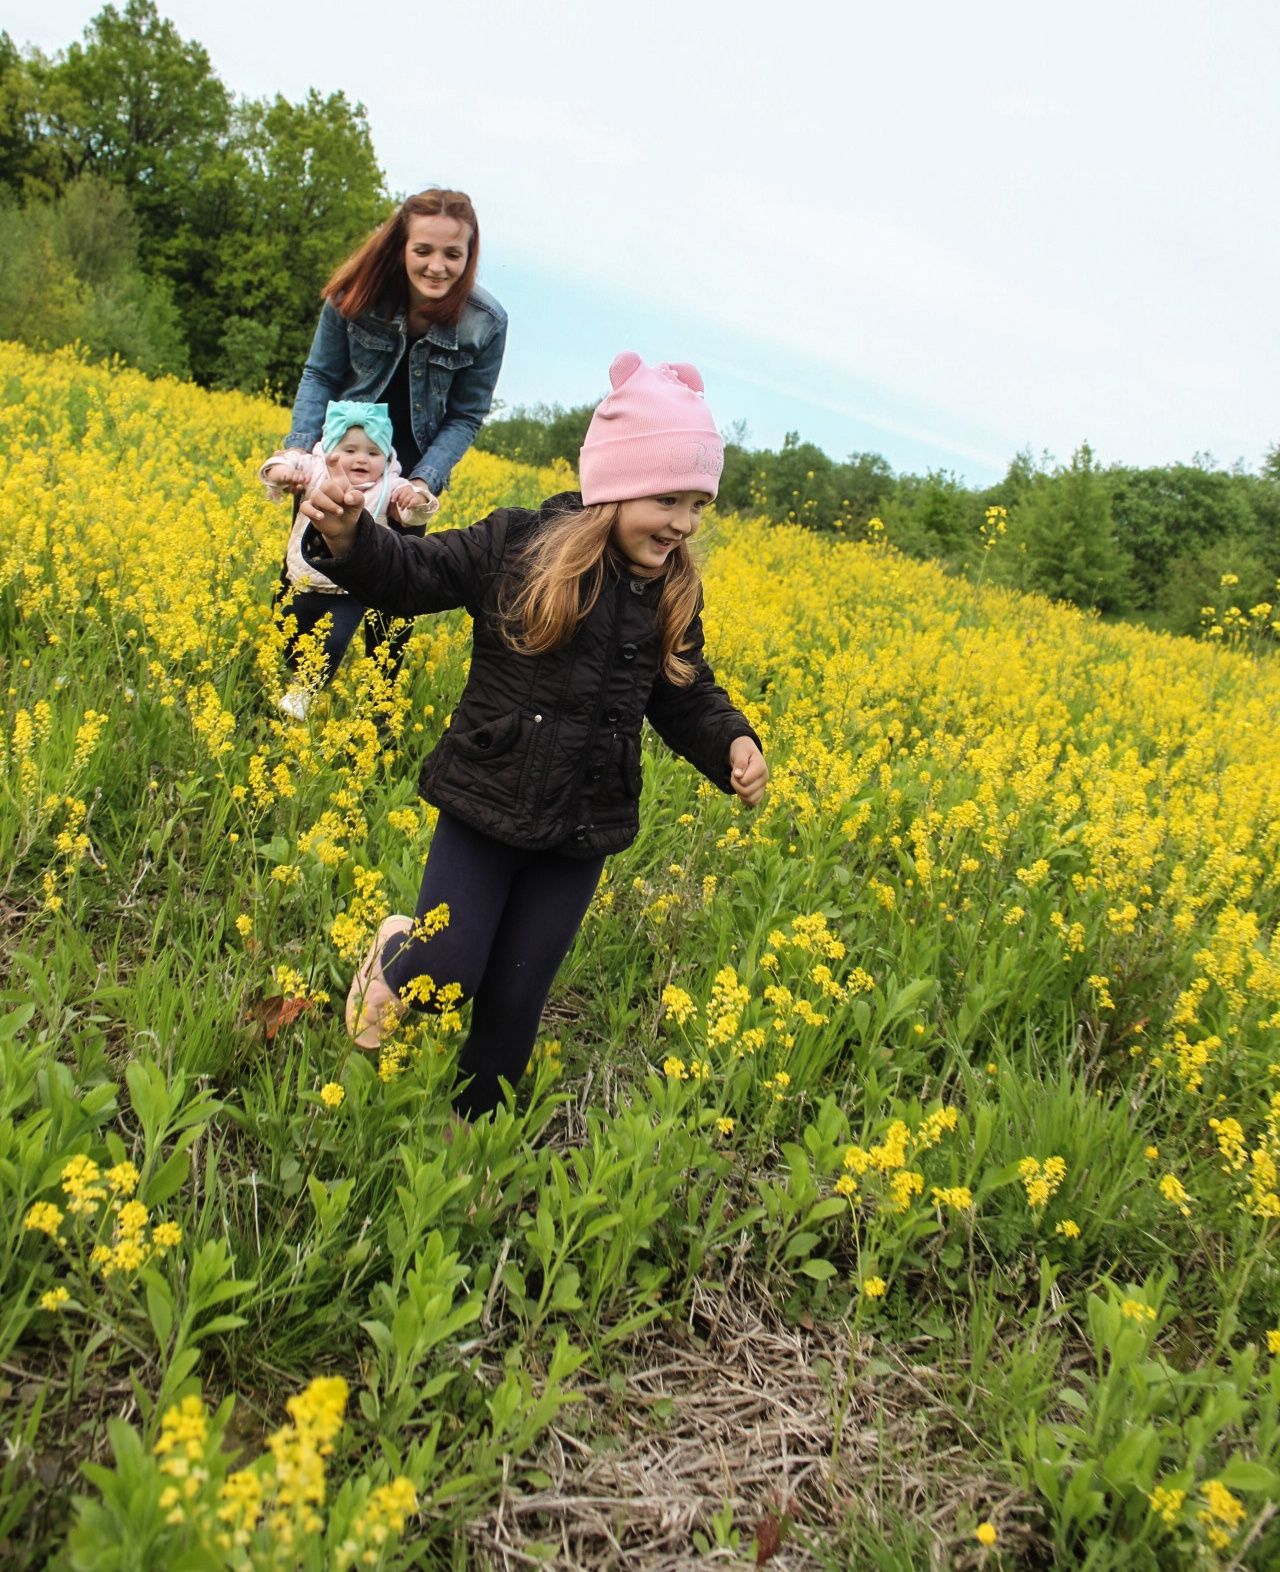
x: 218, y: 1323
x: 1240, y: 1474
x: 12, y: 1022
x: 821, y: 1271
x: 159, y: 1307
x: 564, y: 1296
x: 800, y: 1244
x: 168, y: 1179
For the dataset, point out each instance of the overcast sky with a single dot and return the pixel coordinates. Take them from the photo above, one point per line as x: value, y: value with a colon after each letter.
x: 938, y: 232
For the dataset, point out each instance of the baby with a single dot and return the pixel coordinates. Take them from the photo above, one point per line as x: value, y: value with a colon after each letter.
x: 355, y: 446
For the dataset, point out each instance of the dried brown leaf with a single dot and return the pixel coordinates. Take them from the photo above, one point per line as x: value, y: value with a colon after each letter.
x: 276, y: 1013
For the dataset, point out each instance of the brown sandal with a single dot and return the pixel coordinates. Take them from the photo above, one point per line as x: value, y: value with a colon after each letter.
x: 373, y: 1007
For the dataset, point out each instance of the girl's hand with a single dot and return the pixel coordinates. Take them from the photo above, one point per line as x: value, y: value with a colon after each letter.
x: 334, y: 507
x: 748, y: 773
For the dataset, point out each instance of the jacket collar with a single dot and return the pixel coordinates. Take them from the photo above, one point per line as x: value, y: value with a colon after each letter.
x: 443, y: 334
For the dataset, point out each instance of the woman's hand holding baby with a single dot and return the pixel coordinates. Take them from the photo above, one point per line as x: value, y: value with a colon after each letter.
x: 748, y: 773
x: 334, y: 507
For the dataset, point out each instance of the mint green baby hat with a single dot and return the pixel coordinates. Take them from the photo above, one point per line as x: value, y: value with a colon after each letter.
x: 342, y: 414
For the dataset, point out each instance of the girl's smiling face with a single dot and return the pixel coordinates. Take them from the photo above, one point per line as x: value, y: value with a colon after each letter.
x: 648, y: 529
x: 435, y: 256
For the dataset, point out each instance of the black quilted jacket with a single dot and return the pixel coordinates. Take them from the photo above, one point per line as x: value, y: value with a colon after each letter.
x: 543, y: 750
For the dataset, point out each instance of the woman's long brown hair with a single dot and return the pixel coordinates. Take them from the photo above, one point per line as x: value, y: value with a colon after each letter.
x: 559, y: 578
x: 375, y: 272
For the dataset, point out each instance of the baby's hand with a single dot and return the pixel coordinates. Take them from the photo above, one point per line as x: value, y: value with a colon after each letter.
x: 334, y: 507
x: 292, y: 476
x: 410, y: 498
x: 749, y: 774
x: 286, y: 470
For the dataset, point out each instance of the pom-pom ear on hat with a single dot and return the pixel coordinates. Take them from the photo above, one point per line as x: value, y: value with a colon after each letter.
x: 623, y: 366
x: 689, y: 375
x: 652, y: 433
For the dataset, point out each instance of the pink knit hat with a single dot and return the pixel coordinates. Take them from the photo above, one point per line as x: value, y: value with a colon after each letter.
x: 650, y: 435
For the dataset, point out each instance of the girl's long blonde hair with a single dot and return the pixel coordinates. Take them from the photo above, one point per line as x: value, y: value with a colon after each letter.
x: 559, y: 578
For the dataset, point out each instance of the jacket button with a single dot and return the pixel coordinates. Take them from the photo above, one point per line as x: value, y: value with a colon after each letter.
x: 611, y: 716
x: 637, y: 586
x: 580, y: 834
x: 538, y: 719
x: 628, y: 652
x: 594, y: 774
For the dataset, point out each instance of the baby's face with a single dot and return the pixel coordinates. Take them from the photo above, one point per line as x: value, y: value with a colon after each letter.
x: 360, y: 456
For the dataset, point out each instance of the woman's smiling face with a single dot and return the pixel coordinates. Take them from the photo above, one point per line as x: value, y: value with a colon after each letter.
x: 435, y: 255
x: 648, y: 529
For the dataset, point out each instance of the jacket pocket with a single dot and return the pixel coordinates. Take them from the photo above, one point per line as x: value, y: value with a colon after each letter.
x: 494, y: 760
x: 371, y: 354
x: 450, y: 360
x: 629, y: 767
x: 490, y: 740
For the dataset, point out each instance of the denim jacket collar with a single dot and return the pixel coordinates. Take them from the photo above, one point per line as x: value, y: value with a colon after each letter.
x: 442, y: 334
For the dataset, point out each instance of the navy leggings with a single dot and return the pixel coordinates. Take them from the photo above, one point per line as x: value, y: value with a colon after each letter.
x: 308, y: 607
x: 512, y: 918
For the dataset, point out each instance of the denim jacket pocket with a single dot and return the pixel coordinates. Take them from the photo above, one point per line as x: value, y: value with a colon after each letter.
x: 442, y: 366
x: 370, y: 353
x: 450, y: 360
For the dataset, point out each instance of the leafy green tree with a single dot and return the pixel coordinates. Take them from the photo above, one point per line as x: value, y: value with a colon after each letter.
x: 17, y: 104
x: 72, y: 274
x: 943, y: 511
x: 799, y: 484
x: 865, y: 481
x: 1168, y: 513
x: 1262, y: 493
x: 1195, y: 582
x: 537, y: 433
x: 138, y: 105
x: 741, y: 466
x: 298, y: 188
x: 243, y: 209
x: 1066, y: 526
x: 40, y: 296
x: 1019, y: 479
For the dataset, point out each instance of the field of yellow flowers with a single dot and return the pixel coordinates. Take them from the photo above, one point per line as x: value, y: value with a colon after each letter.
x: 896, y: 1185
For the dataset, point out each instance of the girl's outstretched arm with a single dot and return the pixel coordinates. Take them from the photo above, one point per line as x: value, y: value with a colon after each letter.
x: 404, y: 575
x: 701, y: 723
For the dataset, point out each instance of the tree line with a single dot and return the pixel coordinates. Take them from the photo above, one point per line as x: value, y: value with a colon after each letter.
x: 150, y: 213
x: 1154, y: 543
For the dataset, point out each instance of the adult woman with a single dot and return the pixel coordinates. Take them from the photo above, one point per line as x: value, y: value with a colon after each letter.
x: 403, y: 322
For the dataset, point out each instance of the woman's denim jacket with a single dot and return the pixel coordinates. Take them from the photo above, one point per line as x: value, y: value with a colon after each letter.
x: 452, y: 375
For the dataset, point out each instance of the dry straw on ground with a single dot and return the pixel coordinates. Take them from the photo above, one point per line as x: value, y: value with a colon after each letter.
x: 737, y: 1407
